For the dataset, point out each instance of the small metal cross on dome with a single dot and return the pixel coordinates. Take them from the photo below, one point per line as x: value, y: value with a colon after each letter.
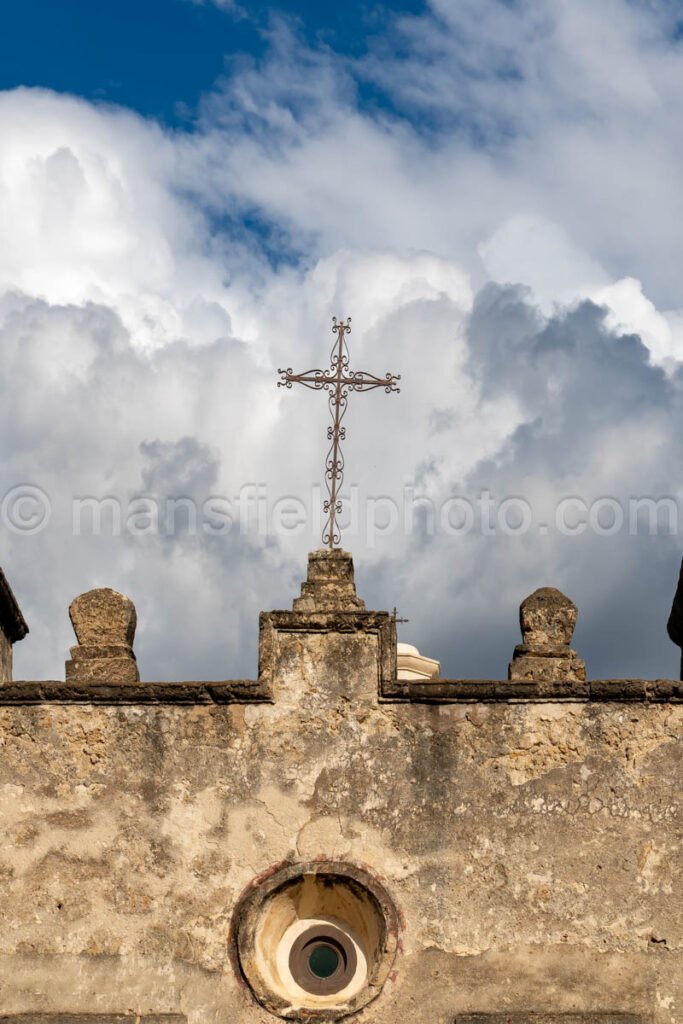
x: 338, y: 381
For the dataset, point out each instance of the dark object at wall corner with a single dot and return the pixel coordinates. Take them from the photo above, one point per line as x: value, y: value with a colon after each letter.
x: 674, y: 626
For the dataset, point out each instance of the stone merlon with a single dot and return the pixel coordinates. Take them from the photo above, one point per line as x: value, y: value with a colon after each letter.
x: 104, y: 622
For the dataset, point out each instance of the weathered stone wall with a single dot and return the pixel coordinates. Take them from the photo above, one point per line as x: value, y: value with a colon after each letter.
x: 5, y: 657
x: 533, y: 849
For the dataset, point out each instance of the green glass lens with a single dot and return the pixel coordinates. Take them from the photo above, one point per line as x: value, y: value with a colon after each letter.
x: 323, y: 961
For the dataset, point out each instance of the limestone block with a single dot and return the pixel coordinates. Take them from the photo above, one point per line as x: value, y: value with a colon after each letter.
x: 533, y: 665
x: 103, y: 616
x: 104, y: 622
x: 547, y: 619
x: 330, y: 584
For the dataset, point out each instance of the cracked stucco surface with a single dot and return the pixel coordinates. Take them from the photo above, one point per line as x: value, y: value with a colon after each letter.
x: 534, y: 850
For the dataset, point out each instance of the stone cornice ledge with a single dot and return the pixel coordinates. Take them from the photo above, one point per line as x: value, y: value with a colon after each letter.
x: 441, y: 691
x: 50, y: 691
x: 497, y: 691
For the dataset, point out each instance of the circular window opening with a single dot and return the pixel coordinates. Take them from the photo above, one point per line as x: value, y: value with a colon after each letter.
x: 315, y: 940
x: 323, y: 960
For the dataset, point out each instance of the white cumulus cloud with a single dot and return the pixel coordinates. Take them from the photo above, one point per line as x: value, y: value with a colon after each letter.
x: 500, y: 229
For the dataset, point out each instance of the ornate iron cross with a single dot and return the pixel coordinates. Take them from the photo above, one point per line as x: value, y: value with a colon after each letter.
x: 338, y: 381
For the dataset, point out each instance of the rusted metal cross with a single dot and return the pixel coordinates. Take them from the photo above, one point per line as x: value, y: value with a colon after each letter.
x: 338, y: 381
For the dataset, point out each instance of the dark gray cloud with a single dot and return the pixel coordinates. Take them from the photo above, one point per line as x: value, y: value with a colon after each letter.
x: 597, y: 420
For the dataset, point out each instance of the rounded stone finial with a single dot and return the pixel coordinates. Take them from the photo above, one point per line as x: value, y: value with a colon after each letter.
x: 103, y: 617
x: 547, y: 617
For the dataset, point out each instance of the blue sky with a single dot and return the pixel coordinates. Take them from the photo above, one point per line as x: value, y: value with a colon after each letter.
x: 492, y: 189
x: 160, y: 56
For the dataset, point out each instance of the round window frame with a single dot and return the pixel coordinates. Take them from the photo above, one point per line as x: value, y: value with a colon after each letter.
x: 299, y: 960
x: 251, y: 905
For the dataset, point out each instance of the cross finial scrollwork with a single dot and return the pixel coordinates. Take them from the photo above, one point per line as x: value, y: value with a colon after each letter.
x: 338, y: 381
